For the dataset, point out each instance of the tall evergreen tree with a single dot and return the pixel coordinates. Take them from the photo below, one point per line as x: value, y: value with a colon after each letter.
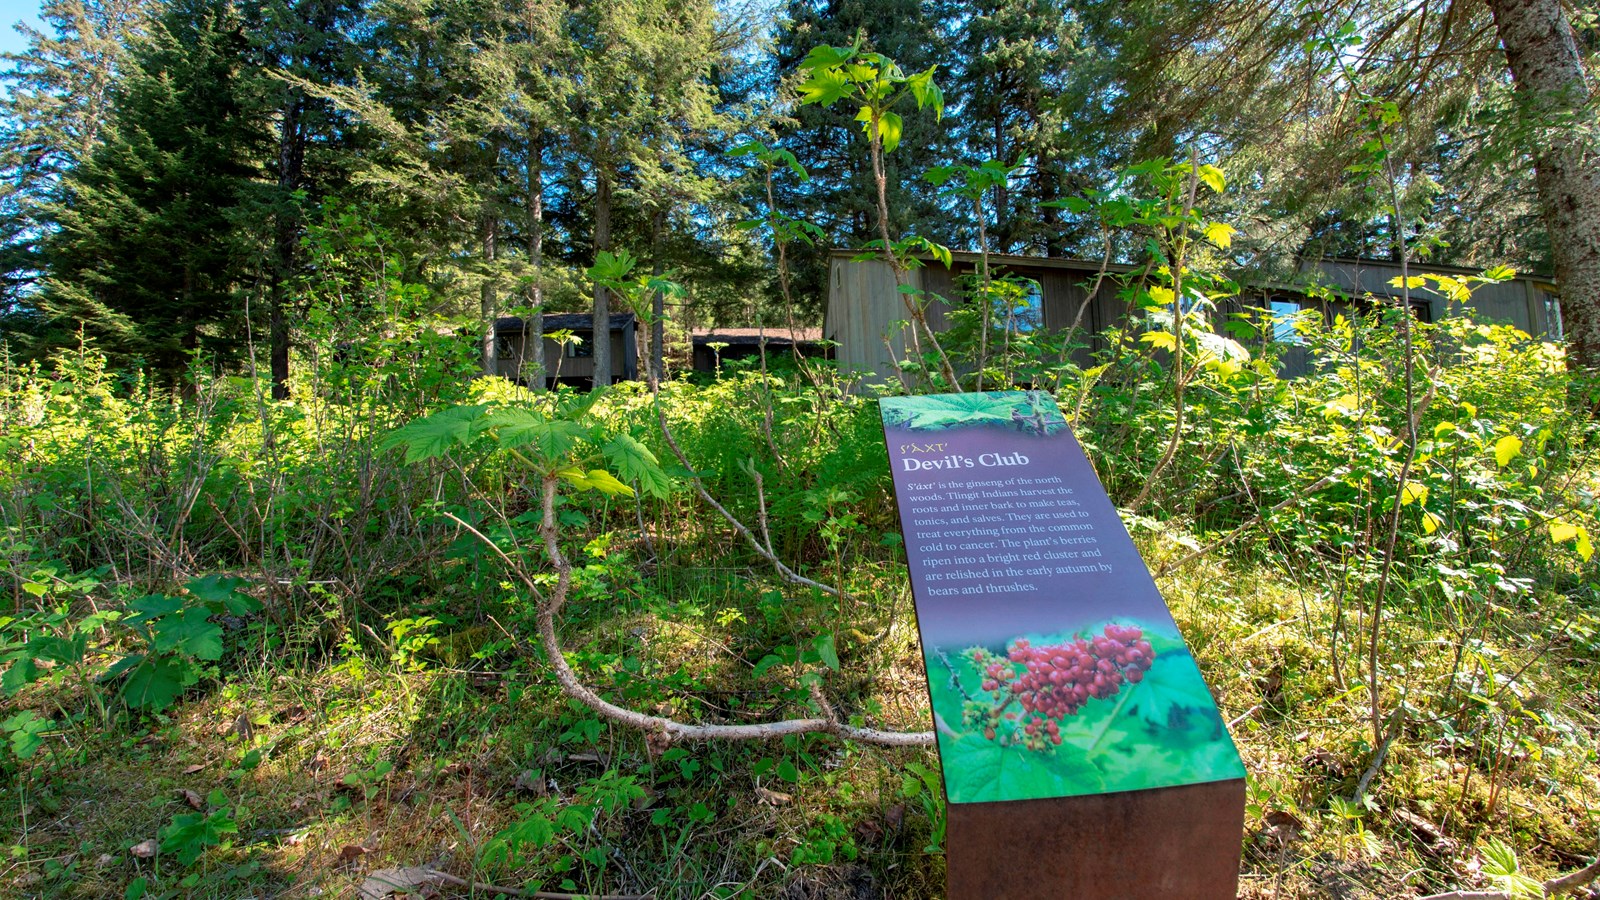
x: 52, y: 115
x: 1015, y: 61
x: 644, y: 93
x: 302, y: 39
x: 455, y: 101
x: 147, y: 255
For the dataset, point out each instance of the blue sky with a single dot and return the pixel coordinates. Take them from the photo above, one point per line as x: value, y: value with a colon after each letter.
x: 11, y: 12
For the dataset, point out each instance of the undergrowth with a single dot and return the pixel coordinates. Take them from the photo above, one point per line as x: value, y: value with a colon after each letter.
x: 250, y: 651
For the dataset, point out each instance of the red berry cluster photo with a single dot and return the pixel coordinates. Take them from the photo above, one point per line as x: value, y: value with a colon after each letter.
x: 1052, y: 682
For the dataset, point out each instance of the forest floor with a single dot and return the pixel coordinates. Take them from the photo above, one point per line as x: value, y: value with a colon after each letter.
x: 311, y: 778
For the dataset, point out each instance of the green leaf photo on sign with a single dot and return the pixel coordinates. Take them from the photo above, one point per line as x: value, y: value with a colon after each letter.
x: 1028, y: 412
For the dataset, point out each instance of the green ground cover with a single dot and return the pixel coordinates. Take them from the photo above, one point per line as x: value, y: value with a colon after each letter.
x: 250, y: 650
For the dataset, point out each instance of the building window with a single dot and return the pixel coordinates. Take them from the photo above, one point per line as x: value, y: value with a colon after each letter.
x: 580, y: 346
x: 1284, y: 315
x: 1017, y: 303
x: 1030, y: 312
x: 1552, y: 311
x: 505, y: 345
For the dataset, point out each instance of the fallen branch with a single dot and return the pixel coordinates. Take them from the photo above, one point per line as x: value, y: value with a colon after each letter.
x: 662, y: 731
x: 487, y: 888
x: 1254, y: 520
x: 1558, y: 885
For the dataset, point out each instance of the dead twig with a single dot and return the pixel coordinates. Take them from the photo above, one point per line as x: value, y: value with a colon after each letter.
x: 1561, y: 884
x: 764, y: 552
x: 1254, y: 520
x: 491, y: 889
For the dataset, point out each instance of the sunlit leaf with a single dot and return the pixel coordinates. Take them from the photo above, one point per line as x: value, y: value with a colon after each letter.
x: 437, y: 434
x: 824, y: 56
x: 596, y: 479
x: 1161, y: 340
x: 1221, y: 234
x: 1506, y: 449
x: 635, y: 462
x: 825, y: 87
x: 926, y: 92
x: 1412, y: 492
x: 520, y: 428
x: 610, y: 268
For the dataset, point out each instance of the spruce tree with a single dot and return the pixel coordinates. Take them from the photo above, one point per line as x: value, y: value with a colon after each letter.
x: 645, y: 100
x: 309, y: 156
x: 1016, y: 61
x: 148, y: 254
x: 53, y: 110
x: 840, y: 197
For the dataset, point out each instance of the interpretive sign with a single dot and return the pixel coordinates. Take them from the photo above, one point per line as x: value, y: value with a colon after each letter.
x: 1054, y: 667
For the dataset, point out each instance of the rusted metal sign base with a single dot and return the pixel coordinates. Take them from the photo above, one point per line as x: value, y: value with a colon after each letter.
x: 1176, y: 843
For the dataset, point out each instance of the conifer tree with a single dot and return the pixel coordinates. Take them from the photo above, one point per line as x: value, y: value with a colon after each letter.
x: 644, y: 96
x: 52, y: 113
x: 1015, y: 63
x: 309, y: 158
x: 147, y: 253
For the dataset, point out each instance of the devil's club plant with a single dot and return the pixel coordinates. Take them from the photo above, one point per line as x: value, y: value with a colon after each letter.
x: 876, y: 85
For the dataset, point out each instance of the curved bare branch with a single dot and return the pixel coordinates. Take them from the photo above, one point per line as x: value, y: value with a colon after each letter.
x: 663, y: 731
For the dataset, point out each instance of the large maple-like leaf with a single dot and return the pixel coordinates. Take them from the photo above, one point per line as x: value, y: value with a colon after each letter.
x: 1173, y: 684
x: 437, y: 434
x: 635, y: 462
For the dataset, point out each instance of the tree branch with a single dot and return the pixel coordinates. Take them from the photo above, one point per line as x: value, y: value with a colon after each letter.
x: 662, y: 731
x: 1558, y: 885
x: 763, y: 551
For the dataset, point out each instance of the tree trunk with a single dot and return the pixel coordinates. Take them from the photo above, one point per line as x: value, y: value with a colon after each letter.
x: 658, y: 311
x: 533, y: 328
x: 1552, y: 86
x: 488, y: 299
x: 1002, y: 197
x: 286, y: 240
x: 602, y: 299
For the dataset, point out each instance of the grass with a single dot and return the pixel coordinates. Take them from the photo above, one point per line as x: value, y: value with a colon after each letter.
x: 388, y: 707
x: 295, y: 746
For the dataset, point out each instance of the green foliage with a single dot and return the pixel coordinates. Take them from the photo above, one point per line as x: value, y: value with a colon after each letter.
x: 146, y: 255
x: 190, y: 835
x: 25, y: 733
x: 1500, y: 864
x: 560, y: 439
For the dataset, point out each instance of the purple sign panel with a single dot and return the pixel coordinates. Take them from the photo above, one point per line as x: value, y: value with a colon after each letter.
x: 1054, y: 667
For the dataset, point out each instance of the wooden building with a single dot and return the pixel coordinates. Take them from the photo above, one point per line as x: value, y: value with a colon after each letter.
x: 1528, y: 301
x: 865, y: 309
x: 712, y: 344
x: 571, y: 362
